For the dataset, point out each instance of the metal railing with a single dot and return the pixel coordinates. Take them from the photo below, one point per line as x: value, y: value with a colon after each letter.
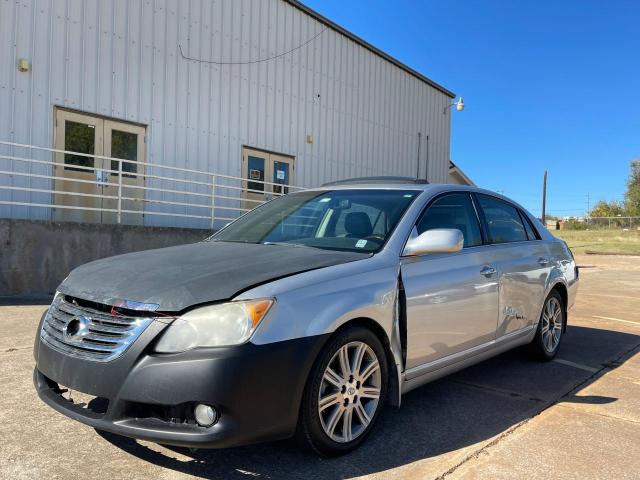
x: 149, y: 189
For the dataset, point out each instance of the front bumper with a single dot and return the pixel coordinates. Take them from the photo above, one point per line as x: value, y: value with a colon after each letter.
x: 255, y: 388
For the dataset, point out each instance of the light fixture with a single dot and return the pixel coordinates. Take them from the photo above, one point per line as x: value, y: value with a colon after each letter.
x: 23, y: 65
x: 459, y: 105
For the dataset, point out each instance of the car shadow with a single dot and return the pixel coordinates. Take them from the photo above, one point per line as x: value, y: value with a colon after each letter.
x: 464, y: 409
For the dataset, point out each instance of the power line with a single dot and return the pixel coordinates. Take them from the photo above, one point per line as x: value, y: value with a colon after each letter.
x: 212, y: 62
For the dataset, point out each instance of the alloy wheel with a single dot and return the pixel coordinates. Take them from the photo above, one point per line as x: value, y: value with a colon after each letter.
x: 349, y: 392
x: 551, y: 324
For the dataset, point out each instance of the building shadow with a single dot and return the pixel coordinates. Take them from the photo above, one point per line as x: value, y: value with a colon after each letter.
x: 464, y: 409
x: 36, y: 299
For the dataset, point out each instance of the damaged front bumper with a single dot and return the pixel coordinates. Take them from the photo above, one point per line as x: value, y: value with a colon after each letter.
x: 256, y: 390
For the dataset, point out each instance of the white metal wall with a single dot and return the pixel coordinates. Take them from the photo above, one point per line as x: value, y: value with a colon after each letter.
x: 121, y: 59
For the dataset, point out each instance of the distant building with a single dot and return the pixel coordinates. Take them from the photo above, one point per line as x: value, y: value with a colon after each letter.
x: 553, y: 224
x: 457, y: 176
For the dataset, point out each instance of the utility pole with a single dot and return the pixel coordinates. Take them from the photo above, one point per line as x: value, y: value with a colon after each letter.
x: 544, y: 199
x: 588, y: 207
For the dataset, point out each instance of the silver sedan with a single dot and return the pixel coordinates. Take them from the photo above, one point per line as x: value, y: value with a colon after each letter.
x: 305, y: 316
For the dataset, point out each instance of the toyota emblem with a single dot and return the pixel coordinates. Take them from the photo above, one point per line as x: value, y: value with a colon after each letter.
x: 76, y: 329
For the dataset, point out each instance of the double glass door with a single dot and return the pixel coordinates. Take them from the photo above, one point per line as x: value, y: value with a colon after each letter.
x: 265, y: 174
x: 87, y: 185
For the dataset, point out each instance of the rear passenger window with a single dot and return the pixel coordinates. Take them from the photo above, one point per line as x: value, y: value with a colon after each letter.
x: 453, y: 211
x: 503, y: 220
x: 528, y: 227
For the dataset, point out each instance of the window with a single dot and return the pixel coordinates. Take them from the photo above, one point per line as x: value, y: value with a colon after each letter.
x: 353, y: 220
x: 531, y: 233
x: 124, y: 145
x: 503, y: 220
x: 79, y: 137
x: 256, y: 172
x: 453, y: 211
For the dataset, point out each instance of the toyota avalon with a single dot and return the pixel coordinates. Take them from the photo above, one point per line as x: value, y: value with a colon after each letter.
x: 304, y: 317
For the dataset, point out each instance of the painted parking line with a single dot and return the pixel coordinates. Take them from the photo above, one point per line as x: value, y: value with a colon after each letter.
x: 637, y: 324
x: 575, y: 365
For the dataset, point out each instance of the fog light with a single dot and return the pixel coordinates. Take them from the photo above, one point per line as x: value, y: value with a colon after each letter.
x: 205, y: 415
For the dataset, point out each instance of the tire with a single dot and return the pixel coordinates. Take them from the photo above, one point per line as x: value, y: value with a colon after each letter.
x: 546, y: 343
x: 331, y: 397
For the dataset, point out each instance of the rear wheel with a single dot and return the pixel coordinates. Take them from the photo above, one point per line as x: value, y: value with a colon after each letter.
x: 546, y: 343
x: 344, y: 394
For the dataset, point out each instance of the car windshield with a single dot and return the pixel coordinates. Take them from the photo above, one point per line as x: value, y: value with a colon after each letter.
x: 353, y: 220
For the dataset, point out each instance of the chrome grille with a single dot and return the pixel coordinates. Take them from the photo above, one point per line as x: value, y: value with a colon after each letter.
x: 83, y: 332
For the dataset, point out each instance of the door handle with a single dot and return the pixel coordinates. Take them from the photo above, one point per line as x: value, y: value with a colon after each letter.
x: 487, y: 271
x: 543, y: 261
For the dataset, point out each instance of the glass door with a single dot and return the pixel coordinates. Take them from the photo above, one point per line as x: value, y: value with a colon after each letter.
x: 264, y: 174
x: 78, y: 177
x: 281, y: 173
x: 254, y: 171
x: 127, y: 142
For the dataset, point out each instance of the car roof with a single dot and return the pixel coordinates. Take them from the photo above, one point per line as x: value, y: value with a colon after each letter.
x: 430, y: 189
x: 395, y: 185
x: 378, y: 180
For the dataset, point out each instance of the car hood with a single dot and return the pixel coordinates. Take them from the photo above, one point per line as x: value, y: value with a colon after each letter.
x: 174, y: 278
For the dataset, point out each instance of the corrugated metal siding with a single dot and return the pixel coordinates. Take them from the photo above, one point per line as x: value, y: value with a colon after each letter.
x: 120, y: 59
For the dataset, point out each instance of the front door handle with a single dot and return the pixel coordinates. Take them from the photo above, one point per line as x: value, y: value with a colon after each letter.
x: 543, y: 261
x: 487, y: 271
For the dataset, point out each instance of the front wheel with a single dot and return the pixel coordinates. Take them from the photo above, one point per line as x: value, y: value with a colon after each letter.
x: 546, y: 343
x: 345, y: 393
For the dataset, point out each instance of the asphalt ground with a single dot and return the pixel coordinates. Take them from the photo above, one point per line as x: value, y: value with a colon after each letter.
x: 509, y: 417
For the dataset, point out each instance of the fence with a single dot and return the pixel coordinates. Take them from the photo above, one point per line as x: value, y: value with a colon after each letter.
x: 602, y: 223
x: 126, y: 191
x: 630, y: 223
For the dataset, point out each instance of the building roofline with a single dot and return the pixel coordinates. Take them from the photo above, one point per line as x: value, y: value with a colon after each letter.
x: 334, y: 26
x: 453, y: 168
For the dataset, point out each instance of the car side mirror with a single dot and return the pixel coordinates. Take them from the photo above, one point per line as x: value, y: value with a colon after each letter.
x: 437, y: 240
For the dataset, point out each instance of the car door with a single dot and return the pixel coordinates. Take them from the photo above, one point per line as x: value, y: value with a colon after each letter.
x: 522, y: 261
x: 451, y: 298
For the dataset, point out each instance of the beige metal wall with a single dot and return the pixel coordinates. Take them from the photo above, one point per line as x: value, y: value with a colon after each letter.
x: 121, y: 59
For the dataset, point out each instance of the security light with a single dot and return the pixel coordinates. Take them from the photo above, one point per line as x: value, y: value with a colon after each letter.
x: 459, y: 105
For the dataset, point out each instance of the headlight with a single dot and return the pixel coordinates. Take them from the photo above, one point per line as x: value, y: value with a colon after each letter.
x: 219, y: 325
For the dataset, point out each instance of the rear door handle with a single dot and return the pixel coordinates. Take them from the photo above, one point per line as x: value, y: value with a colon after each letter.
x: 543, y: 261
x: 487, y: 271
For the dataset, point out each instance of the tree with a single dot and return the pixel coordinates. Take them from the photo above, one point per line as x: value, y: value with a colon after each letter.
x: 631, y: 205
x: 607, y: 209
x: 632, y: 197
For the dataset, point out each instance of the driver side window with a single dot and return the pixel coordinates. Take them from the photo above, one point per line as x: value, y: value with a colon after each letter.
x: 454, y: 210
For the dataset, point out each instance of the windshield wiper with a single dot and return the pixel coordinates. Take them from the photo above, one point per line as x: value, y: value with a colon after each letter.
x: 287, y: 244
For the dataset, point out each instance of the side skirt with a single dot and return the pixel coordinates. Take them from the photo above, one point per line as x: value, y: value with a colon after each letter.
x: 422, y: 374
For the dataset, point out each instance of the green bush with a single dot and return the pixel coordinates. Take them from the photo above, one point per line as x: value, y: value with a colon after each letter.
x: 575, y: 225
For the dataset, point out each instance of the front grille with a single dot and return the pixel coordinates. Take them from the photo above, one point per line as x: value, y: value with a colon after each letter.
x: 88, y: 333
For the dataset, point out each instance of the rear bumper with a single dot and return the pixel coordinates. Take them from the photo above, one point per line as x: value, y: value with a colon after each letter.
x: 255, y: 388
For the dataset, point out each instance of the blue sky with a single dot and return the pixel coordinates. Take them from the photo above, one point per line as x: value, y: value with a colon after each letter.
x: 547, y: 85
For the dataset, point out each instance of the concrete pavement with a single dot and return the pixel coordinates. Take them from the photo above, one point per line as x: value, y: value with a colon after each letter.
x: 575, y: 417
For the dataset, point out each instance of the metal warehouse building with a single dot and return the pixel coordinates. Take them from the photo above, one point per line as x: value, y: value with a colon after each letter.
x: 214, y: 106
